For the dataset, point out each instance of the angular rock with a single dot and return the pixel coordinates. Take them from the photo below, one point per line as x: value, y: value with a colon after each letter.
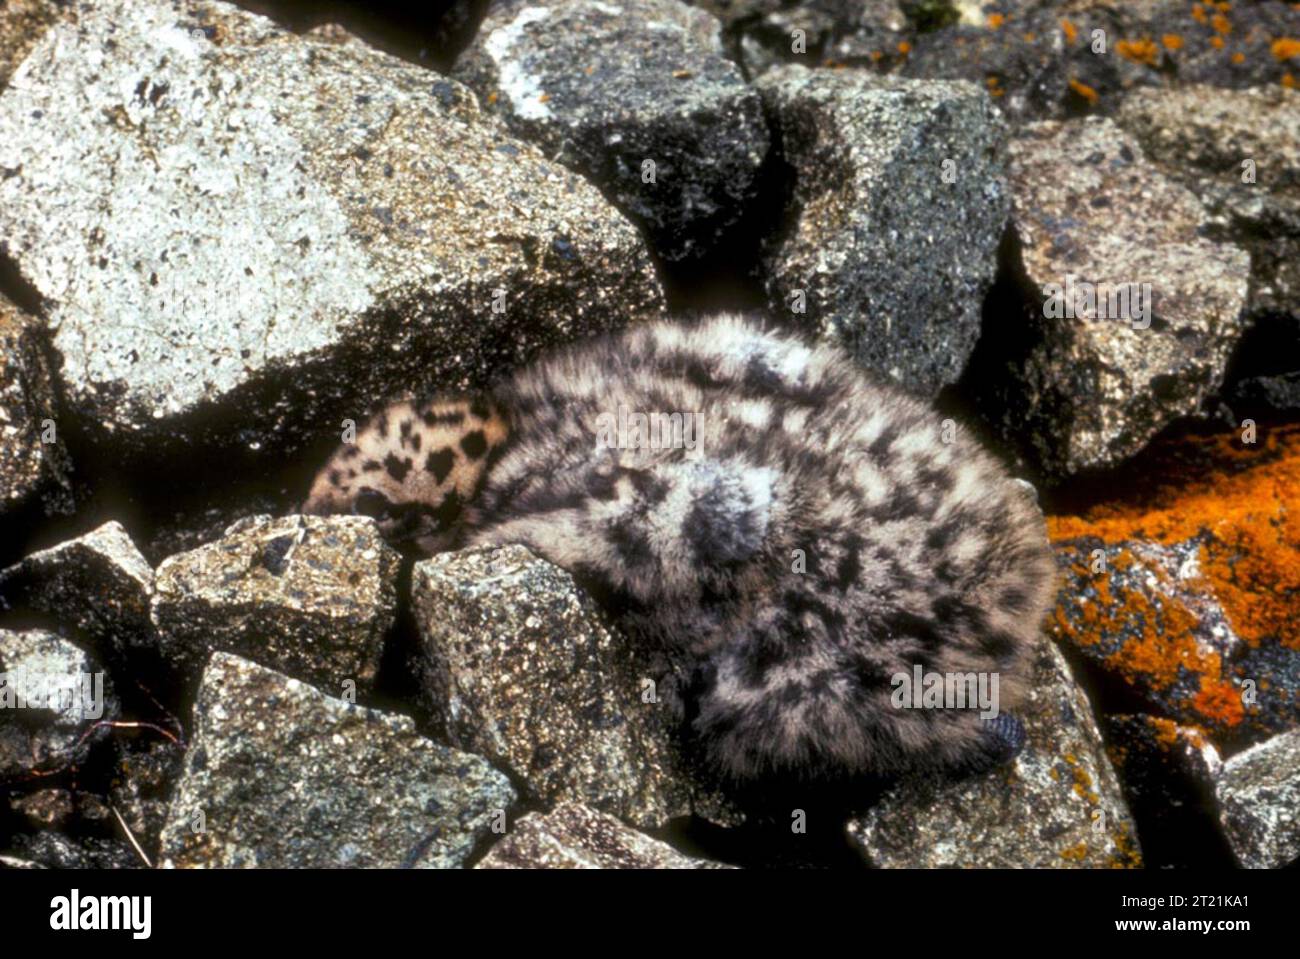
x: 1182, y: 585
x: 52, y: 696
x: 279, y: 775
x: 1057, y: 804
x: 98, y: 583
x: 899, y: 205
x: 34, y: 475
x: 311, y: 596
x: 1122, y: 317
x: 521, y: 666
x: 246, y: 237
x: 609, y: 87
x: 579, y: 837
x: 1259, y: 799
x: 50, y: 850
x: 1168, y: 773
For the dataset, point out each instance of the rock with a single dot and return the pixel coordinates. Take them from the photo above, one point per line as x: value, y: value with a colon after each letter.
x: 15, y: 862
x: 245, y: 237
x: 1168, y: 774
x: 579, y: 837
x: 1122, y: 317
x: 52, y: 698
x: 1259, y: 795
x: 43, y: 808
x: 883, y: 253
x: 1239, y: 152
x: 22, y: 22
x: 98, y: 583
x: 34, y: 474
x: 1057, y: 804
x: 50, y: 850
x: 609, y: 87
x: 1182, y: 585
x: 312, y: 596
x: 279, y: 775
x: 521, y: 666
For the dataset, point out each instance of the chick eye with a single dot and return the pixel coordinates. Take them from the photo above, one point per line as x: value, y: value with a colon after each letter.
x: 371, y: 503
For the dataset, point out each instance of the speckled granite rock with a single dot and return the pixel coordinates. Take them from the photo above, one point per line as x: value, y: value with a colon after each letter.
x: 34, y: 475
x: 891, y: 258
x: 22, y: 22
x: 605, y: 86
x: 279, y: 775
x: 312, y: 596
x: 1259, y: 799
x: 98, y: 583
x: 51, y: 697
x: 1057, y: 804
x: 1168, y: 774
x: 578, y: 837
x: 247, y: 236
x: 522, y: 667
x: 50, y: 850
x: 1080, y: 378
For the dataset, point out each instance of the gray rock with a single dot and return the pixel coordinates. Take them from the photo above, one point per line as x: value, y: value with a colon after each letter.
x: 521, y: 666
x: 312, y: 596
x: 607, y: 86
x: 98, y: 583
x: 1082, y: 378
x: 1259, y: 800
x: 246, y: 236
x: 34, y: 475
x: 52, y: 699
x: 50, y: 850
x: 15, y: 862
x: 579, y: 837
x: 890, y: 258
x: 279, y: 775
x: 1057, y: 804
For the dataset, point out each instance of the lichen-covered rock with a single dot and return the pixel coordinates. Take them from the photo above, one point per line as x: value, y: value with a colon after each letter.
x: 98, y: 583
x: 1259, y: 800
x: 1057, y: 804
x: 578, y: 837
x: 53, y: 697
x: 899, y: 204
x: 521, y: 666
x: 311, y: 596
x: 1168, y: 773
x: 33, y: 472
x: 1184, y: 589
x: 279, y: 775
x: 1124, y: 316
x: 246, y: 236
x: 635, y: 95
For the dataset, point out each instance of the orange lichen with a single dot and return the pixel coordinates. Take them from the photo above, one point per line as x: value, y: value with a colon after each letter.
x: 1288, y: 81
x: 1139, y: 51
x: 1239, y: 57
x: 1076, y: 853
x: 1199, y: 14
x: 1243, y: 511
x: 904, y: 47
x: 1216, y: 42
x: 995, y: 20
x: 1085, y: 91
x: 1030, y: 37
x: 492, y: 97
x: 1221, y: 24
x: 1070, y: 30
x: 1172, y: 41
x: 1284, y: 48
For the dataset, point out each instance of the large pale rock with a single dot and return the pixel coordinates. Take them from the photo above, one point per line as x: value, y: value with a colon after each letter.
x: 521, y: 666
x: 1058, y: 804
x: 899, y: 203
x: 578, y: 837
x: 609, y: 87
x: 1259, y: 800
x: 279, y: 775
x: 246, y: 236
x: 312, y: 596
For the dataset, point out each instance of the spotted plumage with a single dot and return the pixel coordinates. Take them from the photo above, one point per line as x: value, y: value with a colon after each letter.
x: 794, y: 537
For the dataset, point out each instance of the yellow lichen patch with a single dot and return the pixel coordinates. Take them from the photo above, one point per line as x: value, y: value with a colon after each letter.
x: 1284, y: 48
x: 1076, y: 853
x: 1221, y: 24
x: 1085, y: 91
x: 904, y: 47
x: 1242, y: 503
x: 1070, y: 30
x: 1171, y: 41
x: 1139, y: 51
x: 995, y: 20
x: 1216, y: 42
x: 1199, y: 14
x: 1239, y: 57
x: 1288, y: 81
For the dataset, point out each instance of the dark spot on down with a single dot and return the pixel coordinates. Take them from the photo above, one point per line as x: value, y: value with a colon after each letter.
x: 396, y: 468
x: 440, y: 462
x: 474, y: 444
